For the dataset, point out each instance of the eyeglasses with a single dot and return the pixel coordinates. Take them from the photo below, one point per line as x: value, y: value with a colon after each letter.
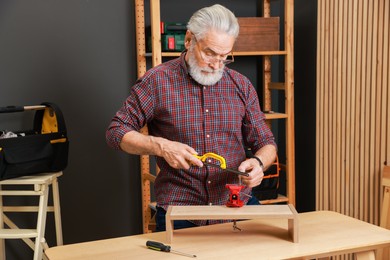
x: 210, y: 58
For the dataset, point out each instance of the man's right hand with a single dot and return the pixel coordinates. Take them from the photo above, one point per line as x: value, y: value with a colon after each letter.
x: 178, y: 155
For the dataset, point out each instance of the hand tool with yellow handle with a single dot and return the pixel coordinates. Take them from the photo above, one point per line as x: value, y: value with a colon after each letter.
x: 222, y: 161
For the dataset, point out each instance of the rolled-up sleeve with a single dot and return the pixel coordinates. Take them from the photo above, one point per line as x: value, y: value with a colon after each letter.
x: 133, y: 114
x: 118, y: 128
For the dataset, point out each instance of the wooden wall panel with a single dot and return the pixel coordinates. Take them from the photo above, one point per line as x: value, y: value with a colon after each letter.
x: 353, y: 111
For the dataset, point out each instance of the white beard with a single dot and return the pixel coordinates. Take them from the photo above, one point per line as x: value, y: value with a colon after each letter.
x: 212, y: 77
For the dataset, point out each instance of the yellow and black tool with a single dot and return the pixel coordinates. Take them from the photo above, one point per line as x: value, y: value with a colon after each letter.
x: 222, y: 162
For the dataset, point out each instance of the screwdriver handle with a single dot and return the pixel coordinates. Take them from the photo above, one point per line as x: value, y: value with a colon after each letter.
x: 154, y: 245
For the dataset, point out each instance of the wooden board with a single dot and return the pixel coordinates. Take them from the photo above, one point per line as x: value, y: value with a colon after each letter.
x: 258, y: 34
x: 287, y: 212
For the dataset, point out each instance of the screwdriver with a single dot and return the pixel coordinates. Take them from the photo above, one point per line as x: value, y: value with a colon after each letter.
x: 164, y: 248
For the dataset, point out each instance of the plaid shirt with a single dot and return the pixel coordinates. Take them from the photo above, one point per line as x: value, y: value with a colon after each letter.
x: 222, y: 118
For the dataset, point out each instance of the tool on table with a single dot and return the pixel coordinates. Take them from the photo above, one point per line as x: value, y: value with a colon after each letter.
x: 234, y: 189
x: 234, y: 200
x: 222, y: 161
x: 154, y: 245
x: 234, y: 196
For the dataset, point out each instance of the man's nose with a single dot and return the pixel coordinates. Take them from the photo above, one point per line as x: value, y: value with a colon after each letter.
x: 215, y: 64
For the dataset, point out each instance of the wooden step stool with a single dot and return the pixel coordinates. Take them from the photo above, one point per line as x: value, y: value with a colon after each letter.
x: 41, y: 184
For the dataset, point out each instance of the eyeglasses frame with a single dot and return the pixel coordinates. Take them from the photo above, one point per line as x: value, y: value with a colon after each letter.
x: 214, y: 59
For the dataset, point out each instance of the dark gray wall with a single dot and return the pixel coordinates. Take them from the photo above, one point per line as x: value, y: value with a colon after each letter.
x: 81, y: 55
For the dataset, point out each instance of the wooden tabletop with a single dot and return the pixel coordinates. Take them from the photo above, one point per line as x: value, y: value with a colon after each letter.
x: 321, y: 233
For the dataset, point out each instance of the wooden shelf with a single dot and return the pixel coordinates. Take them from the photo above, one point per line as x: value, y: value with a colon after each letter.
x: 206, y: 212
x: 275, y: 115
x: 241, y: 53
x: 277, y: 85
x: 259, y: 53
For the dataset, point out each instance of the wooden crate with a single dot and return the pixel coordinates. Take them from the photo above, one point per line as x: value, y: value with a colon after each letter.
x: 258, y: 34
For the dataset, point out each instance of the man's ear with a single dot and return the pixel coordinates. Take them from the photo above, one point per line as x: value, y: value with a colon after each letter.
x: 187, y: 39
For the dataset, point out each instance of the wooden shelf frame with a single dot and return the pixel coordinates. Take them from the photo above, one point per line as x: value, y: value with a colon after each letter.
x: 240, y: 53
x: 288, y: 89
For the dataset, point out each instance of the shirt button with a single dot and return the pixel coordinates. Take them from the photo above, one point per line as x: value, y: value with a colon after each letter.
x: 209, y: 182
x: 208, y: 136
x: 204, y: 87
x: 207, y: 110
x: 210, y: 204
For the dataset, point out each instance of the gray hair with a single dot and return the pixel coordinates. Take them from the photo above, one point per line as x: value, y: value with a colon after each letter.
x: 216, y: 17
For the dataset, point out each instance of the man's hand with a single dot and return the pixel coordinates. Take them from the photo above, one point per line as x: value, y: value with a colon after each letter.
x: 178, y: 155
x: 256, y: 174
x: 267, y: 155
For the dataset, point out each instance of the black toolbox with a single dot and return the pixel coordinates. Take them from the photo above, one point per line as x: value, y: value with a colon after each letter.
x: 44, y: 148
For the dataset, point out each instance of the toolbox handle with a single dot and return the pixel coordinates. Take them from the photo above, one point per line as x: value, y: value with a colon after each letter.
x: 12, y: 109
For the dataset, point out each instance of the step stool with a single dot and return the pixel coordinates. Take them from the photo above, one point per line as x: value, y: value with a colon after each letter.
x: 22, y: 187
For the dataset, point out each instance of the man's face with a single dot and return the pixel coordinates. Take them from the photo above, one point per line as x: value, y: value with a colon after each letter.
x: 207, y: 57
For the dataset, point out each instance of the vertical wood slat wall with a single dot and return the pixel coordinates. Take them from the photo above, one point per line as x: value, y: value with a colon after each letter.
x: 353, y: 106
